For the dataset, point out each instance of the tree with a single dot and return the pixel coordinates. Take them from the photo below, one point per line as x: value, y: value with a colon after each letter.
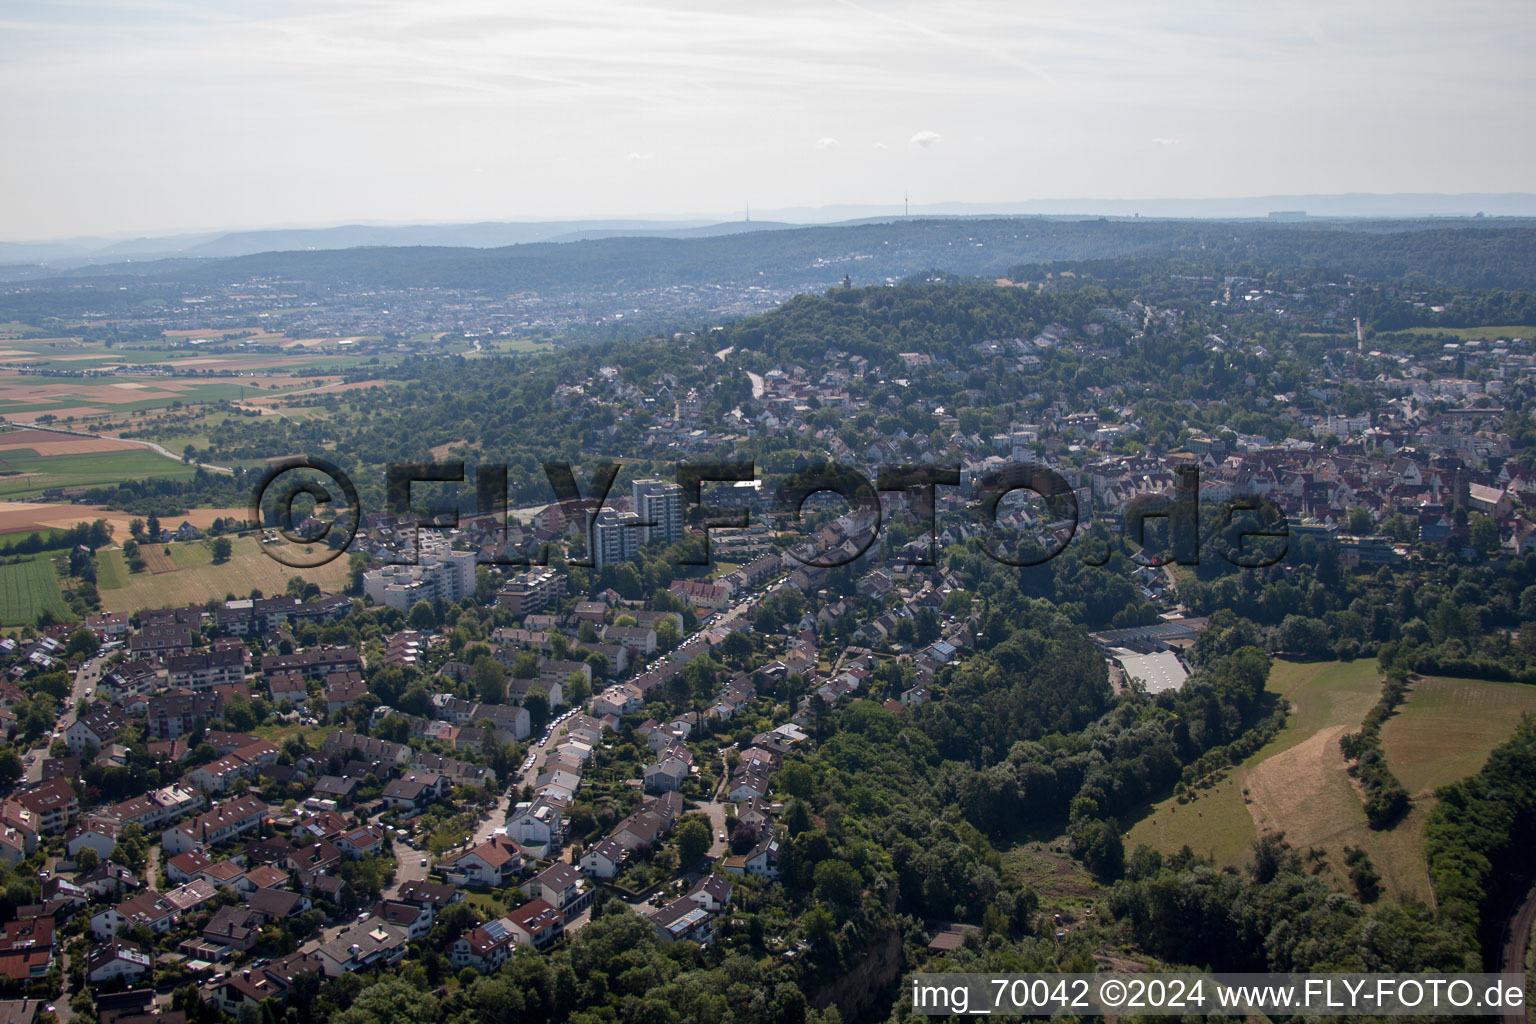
x: 490, y: 680
x: 537, y: 706
x: 737, y: 647
x: 837, y: 882
x: 82, y: 644
x: 796, y: 779
x: 1099, y: 845
x: 422, y: 616
x: 87, y: 859
x: 692, y: 839
x: 11, y: 768
x: 1484, y: 534
x: 152, y: 528
x: 222, y: 549
x: 132, y: 850
x: 390, y: 1000
x: 818, y: 923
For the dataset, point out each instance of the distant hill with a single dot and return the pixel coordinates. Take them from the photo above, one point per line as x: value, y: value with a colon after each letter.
x: 712, y: 277
x: 72, y: 252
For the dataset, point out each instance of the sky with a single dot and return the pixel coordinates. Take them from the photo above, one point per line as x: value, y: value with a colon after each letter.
x: 154, y: 116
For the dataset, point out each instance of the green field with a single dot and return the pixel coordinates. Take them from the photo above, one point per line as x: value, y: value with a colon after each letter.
x: 197, y: 579
x: 27, y: 588
x: 1302, y: 768
x: 27, y: 474
x: 1298, y: 784
x: 1486, y: 333
x: 1446, y: 729
x: 111, y: 570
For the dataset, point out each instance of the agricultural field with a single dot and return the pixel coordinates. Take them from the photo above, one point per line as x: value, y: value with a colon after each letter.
x: 25, y: 474
x: 195, y: 578
x: 74, y: 398
x: 192, y: 352
x: 27, y: 588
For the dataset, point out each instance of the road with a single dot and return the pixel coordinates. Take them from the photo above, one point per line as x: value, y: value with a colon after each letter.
x: 84, y: 688
x: 85, y: 684
x: 539, y: 750
x: 715, y: 810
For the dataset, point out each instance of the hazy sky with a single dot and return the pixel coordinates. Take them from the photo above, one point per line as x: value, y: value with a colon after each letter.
x: 161, y: 115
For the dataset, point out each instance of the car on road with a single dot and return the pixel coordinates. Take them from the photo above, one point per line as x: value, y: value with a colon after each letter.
x: 423, y: 862
x: 720, y: 836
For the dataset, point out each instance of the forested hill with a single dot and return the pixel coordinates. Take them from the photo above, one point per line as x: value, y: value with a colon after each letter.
x: 1469, y: 253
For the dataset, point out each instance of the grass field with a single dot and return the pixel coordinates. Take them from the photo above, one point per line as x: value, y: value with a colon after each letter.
x: 27, y: 474
x: 1446, y: 729
x: 111, y: 570
x: 27, y: 588
x: 1487, y: 333
x: 1298, y: 783
x: 277, y: 733
x: 197, y: 579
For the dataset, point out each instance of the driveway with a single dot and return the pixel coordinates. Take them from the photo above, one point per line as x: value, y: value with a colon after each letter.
x: 716, y: 812
x: 408, y: 868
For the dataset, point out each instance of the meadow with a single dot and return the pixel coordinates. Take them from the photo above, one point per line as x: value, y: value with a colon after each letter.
x: 1299, y: 784
x: 1506, y: 331
x: 1446, y: 728
x: 195, y: 579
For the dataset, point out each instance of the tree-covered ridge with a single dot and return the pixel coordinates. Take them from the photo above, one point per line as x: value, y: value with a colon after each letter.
x: 1479, y: 837
x: 1466, y: 253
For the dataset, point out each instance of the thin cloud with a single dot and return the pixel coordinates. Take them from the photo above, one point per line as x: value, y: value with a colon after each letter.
x: 826, y: 143
x: 925, y: 139
x: 1160, y: 141
x: 636, y: 157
